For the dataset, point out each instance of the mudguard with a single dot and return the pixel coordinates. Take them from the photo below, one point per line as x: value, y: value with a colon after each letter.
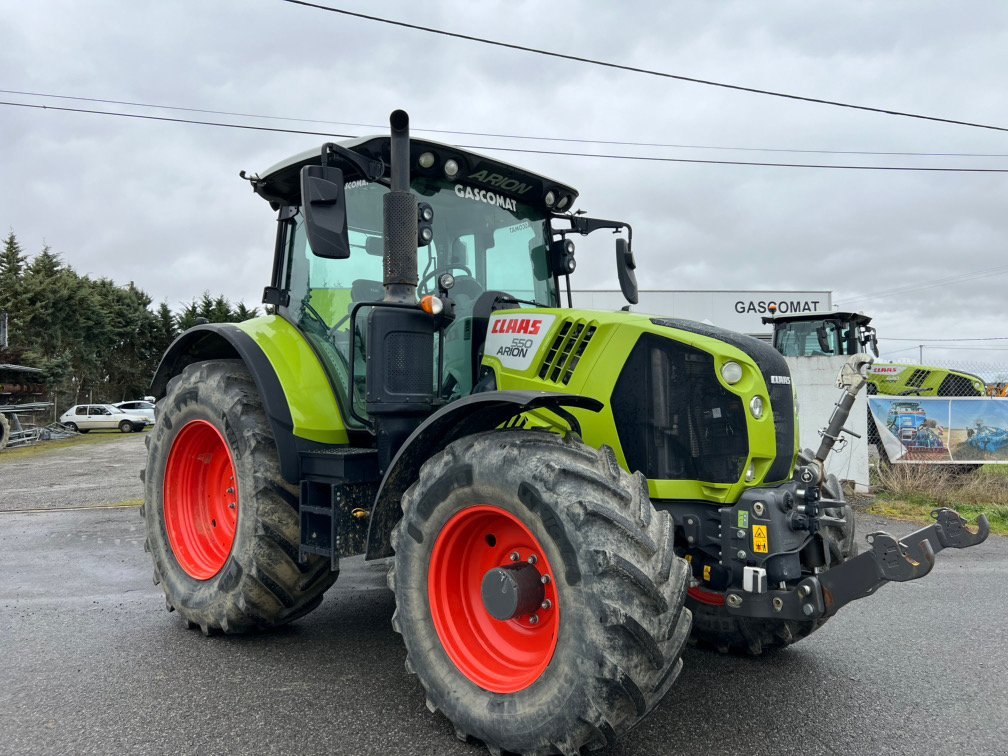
x: 215, y: 341
x: 473, y: 414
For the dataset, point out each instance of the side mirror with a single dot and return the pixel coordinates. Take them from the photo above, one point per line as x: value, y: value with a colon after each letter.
x: 324, y: 203
x: 823, y: 338
x: 625, y: 266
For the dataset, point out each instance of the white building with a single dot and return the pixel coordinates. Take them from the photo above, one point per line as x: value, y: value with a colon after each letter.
x: 735, y: 310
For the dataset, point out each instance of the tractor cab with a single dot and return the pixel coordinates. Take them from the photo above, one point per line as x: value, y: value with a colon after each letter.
x: 820, y: 334
x: 490, y: 236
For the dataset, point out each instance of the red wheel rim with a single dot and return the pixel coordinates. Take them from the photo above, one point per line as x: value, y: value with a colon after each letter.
x: 705, y: 597
x: 200, y: 499
x: 499, y: 656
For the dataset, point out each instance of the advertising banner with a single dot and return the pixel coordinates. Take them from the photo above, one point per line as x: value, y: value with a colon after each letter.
x: 942, y: 430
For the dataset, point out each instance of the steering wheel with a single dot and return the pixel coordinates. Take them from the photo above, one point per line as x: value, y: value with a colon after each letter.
x: 422, y: 287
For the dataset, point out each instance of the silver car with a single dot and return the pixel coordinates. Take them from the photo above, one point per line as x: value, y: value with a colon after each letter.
x: 88, y: 417
x: 138, y: 407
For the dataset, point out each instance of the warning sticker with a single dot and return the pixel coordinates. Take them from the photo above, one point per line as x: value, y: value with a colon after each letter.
x: 760, y: 542
x: 743, y: 518
x: 706, y: 572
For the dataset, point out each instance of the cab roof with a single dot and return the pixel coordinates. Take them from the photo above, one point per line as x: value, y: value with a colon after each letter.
x: 280, y: 184
x: 846, y: 316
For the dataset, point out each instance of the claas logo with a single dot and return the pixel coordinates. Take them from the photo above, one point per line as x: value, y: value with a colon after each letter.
x: 530, y: 326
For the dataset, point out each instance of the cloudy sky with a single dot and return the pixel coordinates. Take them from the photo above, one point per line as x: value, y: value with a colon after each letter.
x: 161, y: 203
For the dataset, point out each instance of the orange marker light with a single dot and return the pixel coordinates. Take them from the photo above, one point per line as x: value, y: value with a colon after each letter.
x: 431, y: 305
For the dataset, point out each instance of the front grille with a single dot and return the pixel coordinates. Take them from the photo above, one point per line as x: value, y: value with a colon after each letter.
x: 566, y: 351
x: 675, y: 421
x: 771, y: 363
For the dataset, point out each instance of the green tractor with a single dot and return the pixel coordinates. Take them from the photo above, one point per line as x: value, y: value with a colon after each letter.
x: 564, y: 497
x: 820, y: 334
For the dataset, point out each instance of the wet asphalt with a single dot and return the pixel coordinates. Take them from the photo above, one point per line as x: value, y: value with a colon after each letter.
x: 91, y: 662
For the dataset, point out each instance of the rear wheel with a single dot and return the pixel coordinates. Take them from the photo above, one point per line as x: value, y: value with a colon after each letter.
x: 222, y: 524
x: 714, y: 628
x: 72, y: 426
x: 125, y: 426
x: 537, y: 592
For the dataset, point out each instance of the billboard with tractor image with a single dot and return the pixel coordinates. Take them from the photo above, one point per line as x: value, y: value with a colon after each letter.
x: 965, y: 430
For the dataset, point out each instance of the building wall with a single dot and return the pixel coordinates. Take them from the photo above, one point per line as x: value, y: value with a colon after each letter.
x: 814, y: 380
x: 735, y: 310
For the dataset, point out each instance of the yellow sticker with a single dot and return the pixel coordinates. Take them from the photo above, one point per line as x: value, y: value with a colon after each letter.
x: 689, y: 558
x: 706, y: 572
x: 760, y: 542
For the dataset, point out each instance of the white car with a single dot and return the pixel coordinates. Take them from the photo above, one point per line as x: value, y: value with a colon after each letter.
x: 138, y: 407
x: 88, y: 417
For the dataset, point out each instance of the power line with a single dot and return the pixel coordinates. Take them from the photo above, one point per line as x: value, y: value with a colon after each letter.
x: 986, y: 272
x: 172, y: 120
x: 490, y: 148
x: 495, y: 135
x: 936, y: 341
x: 646, y: 71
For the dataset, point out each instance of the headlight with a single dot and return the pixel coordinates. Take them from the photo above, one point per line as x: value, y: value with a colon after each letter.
x: 756, y: 406
x: 731, y: 372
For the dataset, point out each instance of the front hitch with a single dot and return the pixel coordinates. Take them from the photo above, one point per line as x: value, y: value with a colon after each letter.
x: 888, y: 560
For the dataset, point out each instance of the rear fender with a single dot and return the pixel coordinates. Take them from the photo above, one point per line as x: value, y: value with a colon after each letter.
x: 225, y: 341
x: 473, y: 414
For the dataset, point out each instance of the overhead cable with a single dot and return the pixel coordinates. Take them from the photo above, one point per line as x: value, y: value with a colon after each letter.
x: 497, y: 135
x: 646, y: 71
x: 492, y: 148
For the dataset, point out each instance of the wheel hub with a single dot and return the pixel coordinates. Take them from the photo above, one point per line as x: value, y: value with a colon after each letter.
x: 200, y: 499
x: 512, y: 591
x: 493, y: 600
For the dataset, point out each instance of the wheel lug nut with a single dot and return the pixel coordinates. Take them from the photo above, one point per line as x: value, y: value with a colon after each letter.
x: 532, y: 559
x: 544, y: 579
x: 514, y: 556
x: 231, y: 505
x: 231, y: 490
x: 533, y: 620
x: 547, y: 604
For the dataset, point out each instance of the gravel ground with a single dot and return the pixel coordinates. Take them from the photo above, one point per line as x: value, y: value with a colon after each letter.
x: 105, y: 470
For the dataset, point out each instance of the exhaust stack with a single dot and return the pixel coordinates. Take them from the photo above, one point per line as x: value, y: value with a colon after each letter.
x: 400, y: 224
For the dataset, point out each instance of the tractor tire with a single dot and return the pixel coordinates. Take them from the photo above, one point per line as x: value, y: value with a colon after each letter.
x: 609, y: 627
x: 715, y: 629
x: 222, y: 524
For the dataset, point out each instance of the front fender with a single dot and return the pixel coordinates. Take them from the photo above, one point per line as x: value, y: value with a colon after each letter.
x: 473, y: 414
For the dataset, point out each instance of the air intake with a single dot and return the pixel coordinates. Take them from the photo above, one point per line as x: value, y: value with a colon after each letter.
x: 566, y: 351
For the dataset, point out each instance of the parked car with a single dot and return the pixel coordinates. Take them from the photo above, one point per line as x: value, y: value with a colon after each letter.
x: 138, y: 407
x: 88, y: 417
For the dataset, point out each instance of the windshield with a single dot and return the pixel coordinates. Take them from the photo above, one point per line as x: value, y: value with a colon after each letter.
x: 807, y: 338
x: 487, y: 241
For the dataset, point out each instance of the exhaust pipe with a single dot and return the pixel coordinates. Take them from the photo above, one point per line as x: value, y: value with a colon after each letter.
x: 400, y: 218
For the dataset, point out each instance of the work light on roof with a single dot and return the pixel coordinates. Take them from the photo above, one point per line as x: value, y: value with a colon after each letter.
x: 550, y: 198
x: 451, y: 168
x: 426, y: 160
x: 563, y: 202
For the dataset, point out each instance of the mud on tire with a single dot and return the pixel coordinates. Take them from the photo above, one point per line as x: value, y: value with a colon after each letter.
x: 261, y: 584
x: 620, y: 590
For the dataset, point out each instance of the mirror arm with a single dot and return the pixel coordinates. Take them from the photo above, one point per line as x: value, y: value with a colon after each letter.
x: 371, y: 170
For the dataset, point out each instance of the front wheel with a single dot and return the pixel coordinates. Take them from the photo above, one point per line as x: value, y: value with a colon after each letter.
x: 125, y: 426
x: 537, y: 592
x: 72, y: 426
x: 222, y: 524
